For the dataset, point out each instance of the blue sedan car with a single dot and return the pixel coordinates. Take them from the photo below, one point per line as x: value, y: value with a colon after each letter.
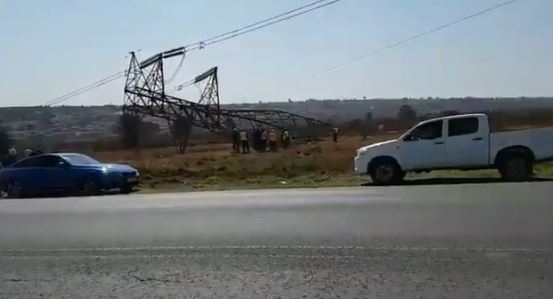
x: 73, y: 173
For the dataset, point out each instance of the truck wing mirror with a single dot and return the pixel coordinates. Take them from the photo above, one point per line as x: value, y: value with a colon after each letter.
x: 410, y: 137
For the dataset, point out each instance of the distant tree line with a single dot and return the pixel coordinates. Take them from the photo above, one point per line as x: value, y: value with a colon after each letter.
x: 5, y: 140
x: 133, y: 131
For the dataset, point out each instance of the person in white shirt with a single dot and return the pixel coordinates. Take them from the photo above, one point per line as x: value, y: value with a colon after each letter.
x: 285, y: 139
x: 245, y: 142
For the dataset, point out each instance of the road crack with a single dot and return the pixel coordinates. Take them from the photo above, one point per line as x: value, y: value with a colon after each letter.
x: 14, y: 280
x: 153, y: 279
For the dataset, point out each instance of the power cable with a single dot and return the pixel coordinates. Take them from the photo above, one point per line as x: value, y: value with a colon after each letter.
x: 205, y: 42
x: 254, y: 24
x: 86, y: 88
x: 223, y: 37
x: 177, y: 70
x: 236, y: 33
x: 403, y: 41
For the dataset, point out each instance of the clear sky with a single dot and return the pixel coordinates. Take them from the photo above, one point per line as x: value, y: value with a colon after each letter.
x: 48, y: 48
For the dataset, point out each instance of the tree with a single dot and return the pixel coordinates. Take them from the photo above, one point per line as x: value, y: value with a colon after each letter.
x: 180, y: 130
x: 5, y: 140
x: 449, y: 113
x: 407, y: 114
x: 45, y: 116
x: 355, y: 125
x: 368, y: 126
x: 369, y: 117
x: 129, y: 130
x: 148, y: 129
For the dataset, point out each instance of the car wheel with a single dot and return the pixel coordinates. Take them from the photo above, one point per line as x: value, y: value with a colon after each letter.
x: 126, y: 189
x: 386, y: 172
x: 89, y: 187
x: 516, y: 168
x: 15, y: 190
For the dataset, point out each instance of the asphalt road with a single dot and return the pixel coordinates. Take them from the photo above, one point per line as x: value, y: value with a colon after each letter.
x: 474, y: 240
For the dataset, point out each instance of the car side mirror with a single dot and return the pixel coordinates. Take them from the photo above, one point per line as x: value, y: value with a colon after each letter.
x: 64, y: 165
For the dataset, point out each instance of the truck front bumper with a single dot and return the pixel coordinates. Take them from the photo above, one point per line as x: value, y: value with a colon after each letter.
x: 359, y: 165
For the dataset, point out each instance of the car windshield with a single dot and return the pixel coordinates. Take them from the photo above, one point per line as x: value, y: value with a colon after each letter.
x: 80, y: 160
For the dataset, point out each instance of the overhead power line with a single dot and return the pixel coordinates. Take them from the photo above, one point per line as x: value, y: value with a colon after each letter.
x: 177, y: 70
x: 254, y: 24
x: 403, y: 41
x: 252, y: 28
x: 206, y: 42
x: 86, y: 88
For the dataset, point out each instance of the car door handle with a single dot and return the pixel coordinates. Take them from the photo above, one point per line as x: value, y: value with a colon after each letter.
x: 477, y: 139
x: 439, y: 142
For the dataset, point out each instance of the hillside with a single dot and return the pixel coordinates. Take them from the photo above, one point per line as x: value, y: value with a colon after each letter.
x: 81, y: 123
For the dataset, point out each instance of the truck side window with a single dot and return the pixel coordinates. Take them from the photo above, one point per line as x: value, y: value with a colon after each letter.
x: 462, y: 126
x: 428, y: 131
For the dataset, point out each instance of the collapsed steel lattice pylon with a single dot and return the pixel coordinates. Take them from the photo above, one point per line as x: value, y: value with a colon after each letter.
x: 145, y: 95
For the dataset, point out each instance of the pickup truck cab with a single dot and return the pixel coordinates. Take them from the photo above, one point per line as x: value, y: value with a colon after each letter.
x: 456, y: 142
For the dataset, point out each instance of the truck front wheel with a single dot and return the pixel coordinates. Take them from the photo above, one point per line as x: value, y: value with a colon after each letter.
x: 516, y: 167
x: 386, y: 172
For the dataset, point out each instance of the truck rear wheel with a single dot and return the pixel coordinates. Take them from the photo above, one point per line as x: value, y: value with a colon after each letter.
x: 516, y: 167
x: 386, y: 172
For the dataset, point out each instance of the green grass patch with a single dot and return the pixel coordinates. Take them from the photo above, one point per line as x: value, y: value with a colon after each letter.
x: 312, y: 180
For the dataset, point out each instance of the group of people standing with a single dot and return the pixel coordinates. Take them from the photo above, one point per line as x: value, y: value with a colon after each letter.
x: 12, y: 156
x: 261, y: 140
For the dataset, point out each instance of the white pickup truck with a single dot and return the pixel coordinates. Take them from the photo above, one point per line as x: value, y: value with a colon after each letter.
x: 456, y: 142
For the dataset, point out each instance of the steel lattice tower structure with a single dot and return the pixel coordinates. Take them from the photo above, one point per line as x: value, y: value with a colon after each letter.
x: 145, y: 95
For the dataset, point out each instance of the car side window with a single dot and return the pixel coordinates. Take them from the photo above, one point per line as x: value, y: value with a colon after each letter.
x: 31, y: 162
x: 462, y: 126
x: 428, y: 131
x: 49, y: 161
x: 41, y: 161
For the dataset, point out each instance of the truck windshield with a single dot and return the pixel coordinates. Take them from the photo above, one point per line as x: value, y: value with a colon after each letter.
x: 428, y: 131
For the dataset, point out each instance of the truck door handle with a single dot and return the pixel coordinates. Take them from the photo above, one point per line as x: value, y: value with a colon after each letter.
x: 439, y: 142
x: 477, y: 138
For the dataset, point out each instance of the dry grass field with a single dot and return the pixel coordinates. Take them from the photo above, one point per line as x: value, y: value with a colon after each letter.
x: 216, y: 167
